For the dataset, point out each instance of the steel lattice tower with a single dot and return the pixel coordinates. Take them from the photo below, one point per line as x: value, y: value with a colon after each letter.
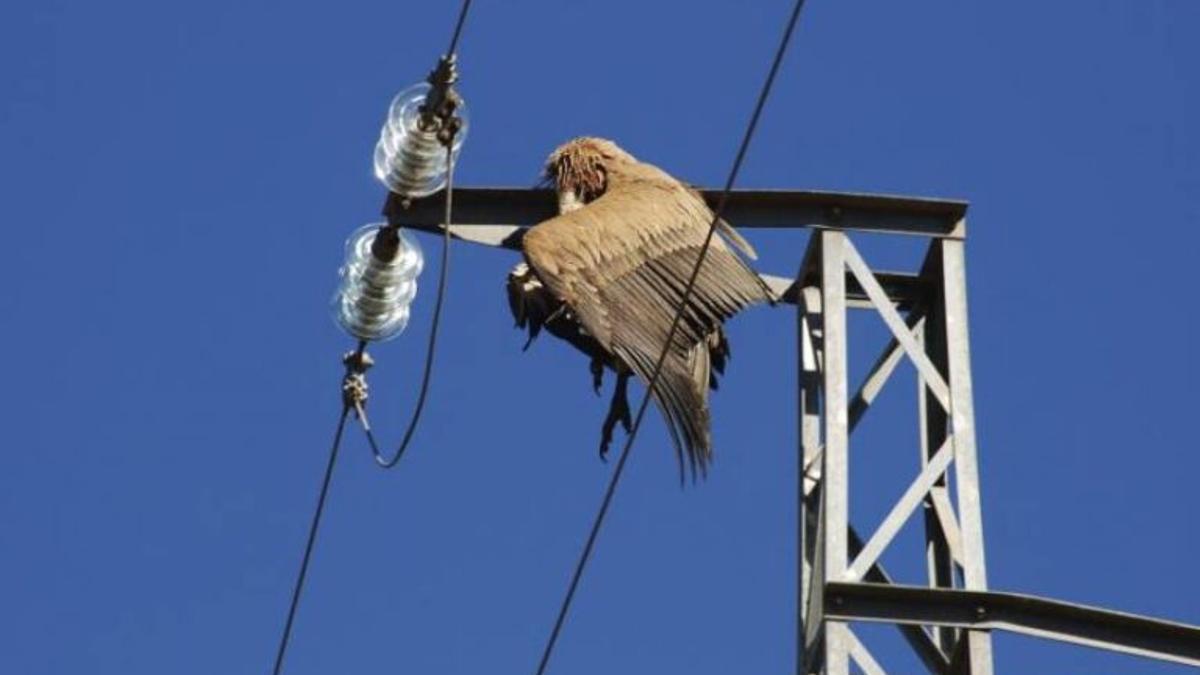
x: 927, y: 317
x: 948, y: 621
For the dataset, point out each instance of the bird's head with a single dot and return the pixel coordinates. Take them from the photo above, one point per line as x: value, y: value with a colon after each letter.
x: 580, y: 170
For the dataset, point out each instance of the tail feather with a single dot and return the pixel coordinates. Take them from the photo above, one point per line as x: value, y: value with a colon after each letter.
x: 681, y: 395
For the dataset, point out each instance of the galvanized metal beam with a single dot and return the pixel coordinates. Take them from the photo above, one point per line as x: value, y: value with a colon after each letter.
x: 1024, y: 614
x: 962, y: 425
x: 862, y: 656
x: 920, y: 641
x: 477, y: 212
x: 515, y: 207
x: 835, y: 471
x: 871, y: 385
x: 900, y: 513
x: 903, y: 289
x: 944, y: 511
x: 808, y: 334
x: 895, y: 323
x: 934, y: 428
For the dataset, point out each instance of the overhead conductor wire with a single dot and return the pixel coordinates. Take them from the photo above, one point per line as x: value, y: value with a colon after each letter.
x: 589, y: 545
x: 458, y: 26
x: 348, y: 405
x: 312, y: 538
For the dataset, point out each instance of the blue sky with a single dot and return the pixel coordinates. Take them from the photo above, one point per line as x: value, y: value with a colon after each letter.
x: 179, y: 178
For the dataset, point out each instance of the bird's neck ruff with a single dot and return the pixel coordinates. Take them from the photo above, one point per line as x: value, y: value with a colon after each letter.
x: 584, y: 169
x: 580, y: 173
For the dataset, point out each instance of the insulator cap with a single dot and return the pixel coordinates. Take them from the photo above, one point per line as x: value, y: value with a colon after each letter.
x: 409, y: 160
x: 373, y: 300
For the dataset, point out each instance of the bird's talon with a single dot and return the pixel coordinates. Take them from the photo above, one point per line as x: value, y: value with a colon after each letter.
x: 605, y: 441
x: 597, y: 368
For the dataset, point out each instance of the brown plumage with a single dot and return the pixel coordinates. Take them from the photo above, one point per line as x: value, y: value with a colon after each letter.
x: 608, y: 273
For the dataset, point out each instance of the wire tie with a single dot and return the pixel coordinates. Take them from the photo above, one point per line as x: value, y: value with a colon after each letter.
x: 354, y: 384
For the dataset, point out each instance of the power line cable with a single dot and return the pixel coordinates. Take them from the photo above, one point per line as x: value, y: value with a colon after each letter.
x: 458, y: 27
x: 312, y: 536
x: 589, y: 545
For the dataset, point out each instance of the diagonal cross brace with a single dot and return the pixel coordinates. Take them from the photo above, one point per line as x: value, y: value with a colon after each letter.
x: 862, y: 656
x: 896, y: 324
x: 901, y: 511
x: 889, y: 358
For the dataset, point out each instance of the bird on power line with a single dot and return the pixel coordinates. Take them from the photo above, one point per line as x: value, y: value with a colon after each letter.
x: 609, y: 272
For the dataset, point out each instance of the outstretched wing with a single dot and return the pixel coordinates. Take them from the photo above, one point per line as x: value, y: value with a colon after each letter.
x: 622, y: 263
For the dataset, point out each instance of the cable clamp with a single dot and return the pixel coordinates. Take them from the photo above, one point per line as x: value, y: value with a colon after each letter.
x: 354, y: 384
x: 438, y: 113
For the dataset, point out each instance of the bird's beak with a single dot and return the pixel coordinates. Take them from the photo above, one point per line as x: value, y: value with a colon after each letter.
x: 568, y: 201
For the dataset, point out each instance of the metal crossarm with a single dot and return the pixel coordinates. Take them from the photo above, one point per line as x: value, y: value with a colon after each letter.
x: 514, y: 208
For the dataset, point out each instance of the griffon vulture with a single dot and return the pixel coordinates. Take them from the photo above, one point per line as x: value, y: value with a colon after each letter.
x: 607, y: 275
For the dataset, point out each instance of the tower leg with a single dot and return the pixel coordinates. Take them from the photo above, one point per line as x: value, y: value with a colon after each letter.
x: 966, y: 475
x: 809, y: 332
x: 835, y: 477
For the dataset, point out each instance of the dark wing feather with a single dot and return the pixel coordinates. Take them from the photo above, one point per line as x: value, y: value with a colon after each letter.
x: 622, y: 263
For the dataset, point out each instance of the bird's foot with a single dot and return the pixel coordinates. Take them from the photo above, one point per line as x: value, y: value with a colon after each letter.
x: 626, y: 418
x: 597, y: 368
x: 606, y: 435
x: 618, y: 411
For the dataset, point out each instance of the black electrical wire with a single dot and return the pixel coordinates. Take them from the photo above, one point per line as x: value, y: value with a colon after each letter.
x: 687, y: 294
x: 462, y: 18
x: 433, y: 328
x: 312, y: 536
